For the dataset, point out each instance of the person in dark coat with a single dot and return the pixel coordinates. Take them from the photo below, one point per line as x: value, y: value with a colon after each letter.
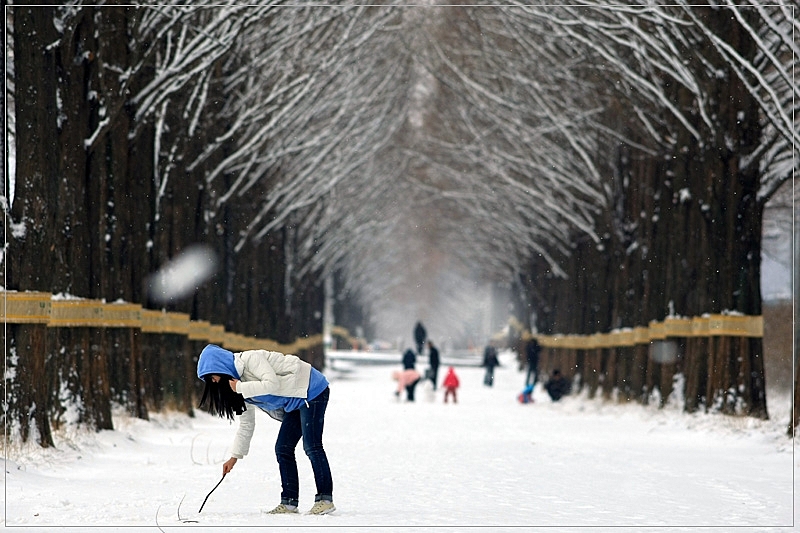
x: 557, y: 386
x: 419, y: 336
x: 433, y: 359
x: 490, y: 361
x: 532, y: 350
x: 409, y: 359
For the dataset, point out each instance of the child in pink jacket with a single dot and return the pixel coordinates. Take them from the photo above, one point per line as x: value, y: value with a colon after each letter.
x: 406, y: 379
x: 450, y: 385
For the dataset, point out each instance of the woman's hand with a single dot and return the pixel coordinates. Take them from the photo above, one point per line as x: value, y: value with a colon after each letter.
x: 233, y: 383
x: 227, y: 466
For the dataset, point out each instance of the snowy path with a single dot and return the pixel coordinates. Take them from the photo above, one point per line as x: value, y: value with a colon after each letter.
x: 487, y: 461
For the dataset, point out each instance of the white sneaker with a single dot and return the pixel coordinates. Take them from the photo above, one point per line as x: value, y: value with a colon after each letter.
x: 284, y: 509
x: 322, y: 507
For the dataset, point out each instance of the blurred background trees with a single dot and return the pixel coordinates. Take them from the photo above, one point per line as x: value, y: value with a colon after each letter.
x: 608, y: 164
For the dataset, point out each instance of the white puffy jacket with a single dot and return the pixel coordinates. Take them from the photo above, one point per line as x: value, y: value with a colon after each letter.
x: 265, y: 372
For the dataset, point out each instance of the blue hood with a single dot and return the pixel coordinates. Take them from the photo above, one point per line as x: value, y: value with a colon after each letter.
x: 216, y: 360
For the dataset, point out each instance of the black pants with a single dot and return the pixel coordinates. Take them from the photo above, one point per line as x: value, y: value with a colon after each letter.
x: 434, y: 372
x: 410, y: 390
x: 488, y: 379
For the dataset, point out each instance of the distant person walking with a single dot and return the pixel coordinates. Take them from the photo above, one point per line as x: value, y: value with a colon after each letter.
x: 450, y: 384
x: 532, y: 351
x: 433, y: 360
x: 490, y: 361
x: 419, y: 336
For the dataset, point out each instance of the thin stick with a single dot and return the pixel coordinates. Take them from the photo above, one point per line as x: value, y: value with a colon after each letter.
x: 184, y: 520
x: 159, y: 527
x: 209, y: 494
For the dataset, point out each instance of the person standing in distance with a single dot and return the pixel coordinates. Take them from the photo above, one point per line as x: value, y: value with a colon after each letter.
x: 490, y: 361
x: 419, y: 337
x: 289, y: 390
x: 532, y: 351
x: 433, y: 360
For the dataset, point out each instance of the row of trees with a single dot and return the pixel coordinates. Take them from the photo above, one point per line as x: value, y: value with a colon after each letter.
x: 613, y: 160
x: 679, y: 121
x: 135, y: 128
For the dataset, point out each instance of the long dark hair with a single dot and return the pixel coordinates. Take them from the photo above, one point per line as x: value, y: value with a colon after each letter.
x: 222, y: 401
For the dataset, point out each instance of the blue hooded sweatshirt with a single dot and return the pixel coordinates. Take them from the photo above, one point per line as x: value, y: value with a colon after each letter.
x: 216, y: 360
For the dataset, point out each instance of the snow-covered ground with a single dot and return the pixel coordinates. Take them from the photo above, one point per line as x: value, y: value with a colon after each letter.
x: 578, y: 465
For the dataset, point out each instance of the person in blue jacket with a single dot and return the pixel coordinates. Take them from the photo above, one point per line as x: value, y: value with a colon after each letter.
x: 288, y: 389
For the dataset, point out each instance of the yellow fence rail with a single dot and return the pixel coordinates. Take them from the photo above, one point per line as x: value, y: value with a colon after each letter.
x: 56, y: 312
x: 705, y: 326
x: 44, y: 308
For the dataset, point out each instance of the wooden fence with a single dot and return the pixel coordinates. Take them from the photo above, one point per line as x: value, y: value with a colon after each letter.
x: 72, y: 355
x: 643, y: 362
x: 44, y: 308
x: 98, y: 354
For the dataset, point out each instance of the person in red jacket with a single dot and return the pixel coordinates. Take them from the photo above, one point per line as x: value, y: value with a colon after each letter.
x: 450, y: 385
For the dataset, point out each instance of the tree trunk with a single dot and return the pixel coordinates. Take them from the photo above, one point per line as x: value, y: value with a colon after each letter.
x: 795, y: 420
x: 31, y: 255
x: 29, y: 391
